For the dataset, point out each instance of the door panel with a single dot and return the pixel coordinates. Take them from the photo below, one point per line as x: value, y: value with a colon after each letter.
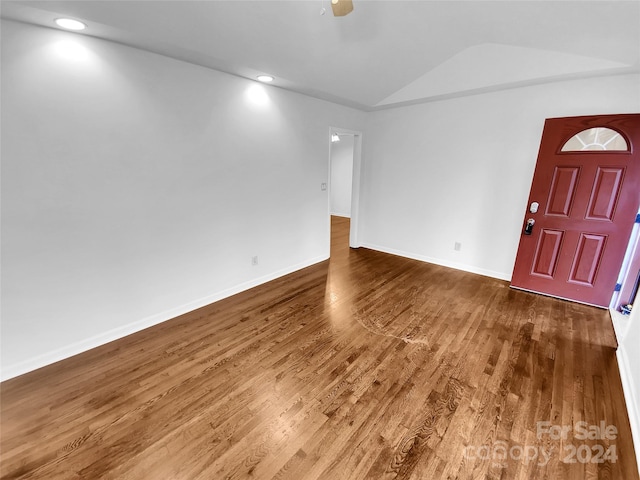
x: 563, y: 187
x: 604, y: 195
x: 587, y: 206
x: 588, y: 257
x: 547, y: 253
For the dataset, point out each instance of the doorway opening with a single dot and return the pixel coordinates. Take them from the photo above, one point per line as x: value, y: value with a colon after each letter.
x: 344, y: 185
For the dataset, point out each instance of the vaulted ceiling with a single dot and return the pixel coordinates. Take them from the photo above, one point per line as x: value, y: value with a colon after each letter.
x: 384, y: 53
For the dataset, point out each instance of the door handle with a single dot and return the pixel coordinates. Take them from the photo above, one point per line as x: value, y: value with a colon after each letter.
x: 528, y: 228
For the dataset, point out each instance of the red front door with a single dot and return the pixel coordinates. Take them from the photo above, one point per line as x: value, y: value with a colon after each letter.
x: 587, y: 187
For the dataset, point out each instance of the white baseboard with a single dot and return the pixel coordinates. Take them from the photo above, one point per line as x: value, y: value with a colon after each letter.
x: 441, y: 262
x: 47, y: 358
x: 630, y: 398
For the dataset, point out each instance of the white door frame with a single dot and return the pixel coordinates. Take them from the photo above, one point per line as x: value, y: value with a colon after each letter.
x: 354, y: 237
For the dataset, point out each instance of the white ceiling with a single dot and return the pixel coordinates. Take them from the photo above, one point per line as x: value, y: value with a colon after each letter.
x: 384, y: 53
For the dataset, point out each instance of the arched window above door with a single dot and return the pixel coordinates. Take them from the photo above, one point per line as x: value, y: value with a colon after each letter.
x: 597, y: 138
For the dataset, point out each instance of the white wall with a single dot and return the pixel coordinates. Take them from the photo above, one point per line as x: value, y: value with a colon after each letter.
x: 459, y: 170
x: 341, y: 176
x: 628, y: 353
x: 627, y: 328
x: 136, y: 187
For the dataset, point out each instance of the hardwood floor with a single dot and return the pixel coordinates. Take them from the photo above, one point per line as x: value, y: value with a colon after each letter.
x: 364, y: 366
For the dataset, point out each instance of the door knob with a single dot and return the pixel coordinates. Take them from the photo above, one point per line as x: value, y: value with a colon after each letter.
x: 528, y: 228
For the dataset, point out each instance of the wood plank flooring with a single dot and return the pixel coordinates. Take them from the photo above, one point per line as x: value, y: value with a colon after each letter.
x: 365, y: 366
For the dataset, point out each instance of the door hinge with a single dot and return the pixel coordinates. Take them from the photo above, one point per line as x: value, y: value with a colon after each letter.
x: 618, y: 287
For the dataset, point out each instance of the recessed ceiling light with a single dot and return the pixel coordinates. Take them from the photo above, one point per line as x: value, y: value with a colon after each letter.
x: 70, y: 24
x: 265, y: 78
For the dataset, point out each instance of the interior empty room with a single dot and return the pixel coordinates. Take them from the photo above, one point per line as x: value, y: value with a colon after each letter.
x: 316, y: 239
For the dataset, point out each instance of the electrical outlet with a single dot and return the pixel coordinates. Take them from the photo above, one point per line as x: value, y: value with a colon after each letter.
x: 254, y: 260
x: 457, y: 246
x: 323, y: 187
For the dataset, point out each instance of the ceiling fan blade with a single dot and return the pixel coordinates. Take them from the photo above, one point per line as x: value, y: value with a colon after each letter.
x: 341, y: 7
